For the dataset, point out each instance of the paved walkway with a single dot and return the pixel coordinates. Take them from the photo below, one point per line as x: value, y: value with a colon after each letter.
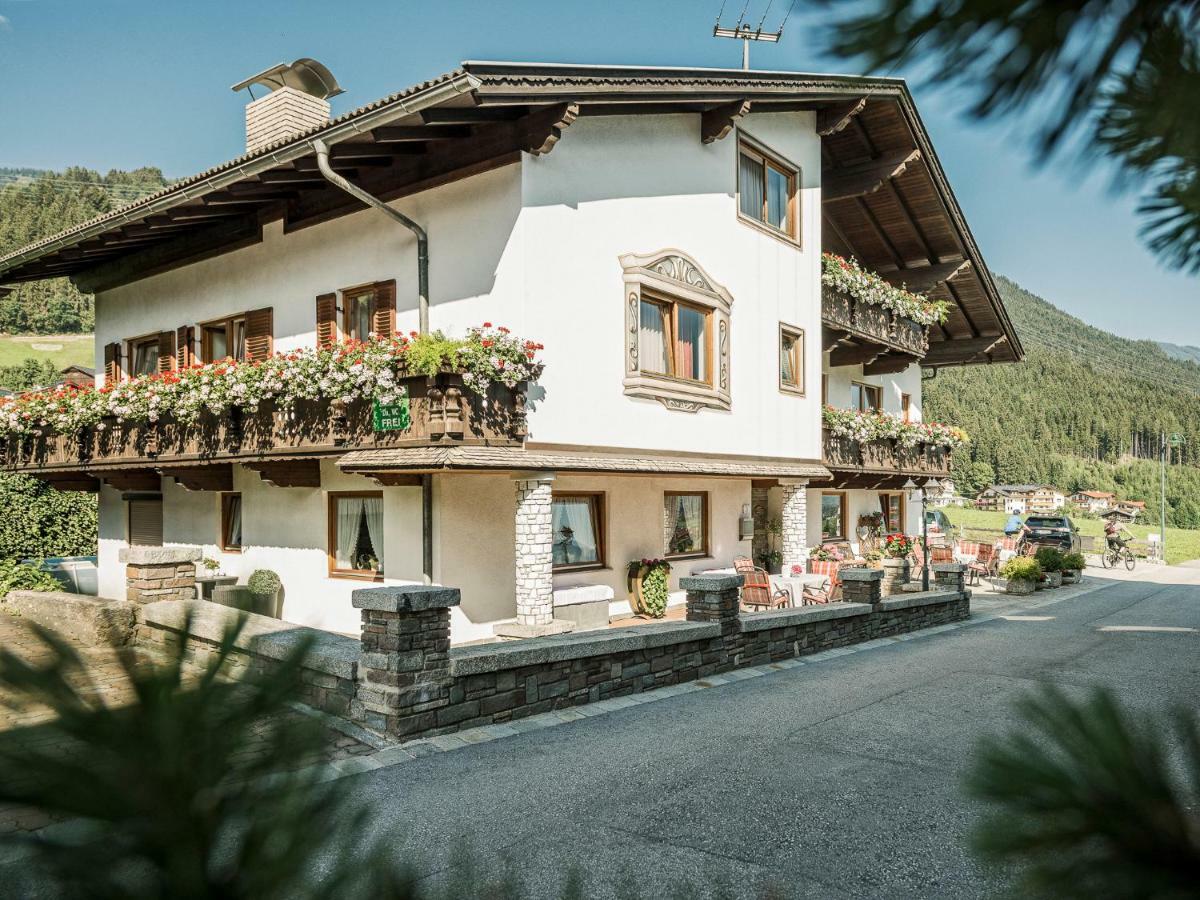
x: 837, y: 775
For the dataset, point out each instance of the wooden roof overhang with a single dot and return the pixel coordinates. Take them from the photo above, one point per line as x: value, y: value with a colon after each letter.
x: 888, y: 202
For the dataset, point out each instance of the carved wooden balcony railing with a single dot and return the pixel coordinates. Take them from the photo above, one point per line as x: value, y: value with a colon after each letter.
x: 867, y: 334
x: 442, y: 413
x: 880, y: 463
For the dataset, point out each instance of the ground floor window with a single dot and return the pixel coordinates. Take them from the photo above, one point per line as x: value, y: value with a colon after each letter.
x: 231, y: 523
x: 356, y: 533
x: 143, y: 356
x: 578, y: 523
x: 146, y: 522
x: 686, y: 524
x: 833, y: 515
x: 892, y: 507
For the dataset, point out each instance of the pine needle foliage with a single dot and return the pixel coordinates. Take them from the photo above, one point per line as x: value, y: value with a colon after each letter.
x: 1090, y: 800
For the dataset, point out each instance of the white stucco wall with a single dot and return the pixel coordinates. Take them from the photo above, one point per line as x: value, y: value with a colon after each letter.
x: 906, y: 382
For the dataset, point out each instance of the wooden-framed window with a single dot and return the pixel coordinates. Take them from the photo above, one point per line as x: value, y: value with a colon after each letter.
x: 767, y: 190
x: 906, y: 407
x: 143, y: 356
x: 866, y: 397
x: 677, y: 327
x: 358, y: 314
x: 891, y: 504
x: 231, y: 523
x: 791, y: 359
x: 833, y: 515
x: 146, y: 522
x: 356, y: 534
x: 675, y: 339
x: 685, y: 523
x: 578, y: 530
x: 223, y: 339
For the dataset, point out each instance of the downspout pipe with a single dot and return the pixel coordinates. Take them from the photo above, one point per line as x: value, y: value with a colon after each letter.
x: 322, y: 151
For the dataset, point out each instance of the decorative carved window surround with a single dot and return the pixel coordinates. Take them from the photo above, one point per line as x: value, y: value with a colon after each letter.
x: 675, y: 275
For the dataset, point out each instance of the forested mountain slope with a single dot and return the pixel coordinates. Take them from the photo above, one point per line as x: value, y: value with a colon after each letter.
x: 1084, y: 410
x: 37, y: 204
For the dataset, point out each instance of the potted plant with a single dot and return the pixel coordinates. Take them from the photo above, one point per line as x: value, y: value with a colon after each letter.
x: 771, y: 557
x: 1021, y: 575
x: 874, y: 559
x: 1073, y: 566
x: 896, y: 549
x: 264, y: 588
x: 649, y: 586
x: 1051, y: 561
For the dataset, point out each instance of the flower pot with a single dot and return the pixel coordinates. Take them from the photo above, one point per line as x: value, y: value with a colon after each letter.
x: 1072, y: 576
x: 1020, y: 586
x: 637, y: 593
x: 895, y: 574
x: 1054, y: 579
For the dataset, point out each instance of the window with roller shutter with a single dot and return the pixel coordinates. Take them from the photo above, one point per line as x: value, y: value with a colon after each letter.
x: 146, y: 522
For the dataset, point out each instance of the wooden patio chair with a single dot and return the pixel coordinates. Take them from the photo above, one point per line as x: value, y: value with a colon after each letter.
x: 829, y: 568
x: 985, y: 561
x: 759, y: 593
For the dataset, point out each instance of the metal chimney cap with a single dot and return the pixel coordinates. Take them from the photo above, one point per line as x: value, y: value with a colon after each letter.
x: 305, y: 75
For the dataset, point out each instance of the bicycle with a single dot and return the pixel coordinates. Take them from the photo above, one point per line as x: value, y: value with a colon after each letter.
x: 1113, y: 555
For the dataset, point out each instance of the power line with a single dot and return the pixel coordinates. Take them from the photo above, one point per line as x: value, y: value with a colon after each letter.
x: 764, y: 15
x: 791, y: 6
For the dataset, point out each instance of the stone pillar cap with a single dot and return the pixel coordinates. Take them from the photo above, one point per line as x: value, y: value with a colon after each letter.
x: 852, y: 574
x: 406, y: 598
x: 710, y: 582
x: 949, y: 567
x: 150, y: 556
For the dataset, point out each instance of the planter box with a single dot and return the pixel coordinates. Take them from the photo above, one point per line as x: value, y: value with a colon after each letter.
x: 1054, y: 579
x: 1072, y: 576
x: 1020, y: 586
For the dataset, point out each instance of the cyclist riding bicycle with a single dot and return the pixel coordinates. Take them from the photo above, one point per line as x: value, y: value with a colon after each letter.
x: 1114, y: 532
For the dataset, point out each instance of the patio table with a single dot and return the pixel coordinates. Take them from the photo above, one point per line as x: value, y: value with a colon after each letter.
x: 795, y: 585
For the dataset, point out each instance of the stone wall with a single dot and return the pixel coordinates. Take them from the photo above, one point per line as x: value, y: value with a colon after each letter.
x: 328, y: 678
x: 153, y: 574
x: 535, y: 583
x: 411, y: 683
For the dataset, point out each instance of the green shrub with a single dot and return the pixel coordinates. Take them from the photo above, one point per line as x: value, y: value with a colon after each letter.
x: 1074, y: 562
x: 264, y: 583
x: 1050, y: 559
x: 39, y: 521
x: 1021, y: 568
x: 18, y: 576
x: 427, y: 353
x: 654, y: 591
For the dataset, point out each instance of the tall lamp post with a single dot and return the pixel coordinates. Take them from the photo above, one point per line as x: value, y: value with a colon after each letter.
x: 911, y: 486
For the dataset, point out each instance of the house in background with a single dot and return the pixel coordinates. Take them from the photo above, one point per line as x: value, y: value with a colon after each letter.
x: 1021, y: 499
x: 1094, y: 502
x: 660, y: 231
x: 78, y: 376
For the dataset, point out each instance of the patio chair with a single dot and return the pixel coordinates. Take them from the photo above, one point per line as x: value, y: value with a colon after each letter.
x: 759, y: 593
x: 829, y: 568
x: 985, y: 562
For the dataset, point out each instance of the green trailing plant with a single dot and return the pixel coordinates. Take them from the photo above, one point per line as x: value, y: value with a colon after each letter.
x: 429, y: 353
x: 1021, y: 568
x: 654, y: 591
x: 1073, y: 562
x: 1050, y: 559
x: 210, y: 565
x: 264, y: 583
x: 1087, y: 799
x: 19, y: 576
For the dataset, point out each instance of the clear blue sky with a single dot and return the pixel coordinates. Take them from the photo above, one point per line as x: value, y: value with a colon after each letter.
x: 125, y: 83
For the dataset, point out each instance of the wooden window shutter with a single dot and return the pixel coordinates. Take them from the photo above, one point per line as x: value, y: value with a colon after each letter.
x: 383, y: 316
x: 326, y: 321
x: 166, y: 351
x: 260, y: 341
x: 112, y: 363
x: 185, y: 337
x: 146, y: 523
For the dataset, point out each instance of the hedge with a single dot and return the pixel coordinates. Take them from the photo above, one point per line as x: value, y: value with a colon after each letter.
x: 39, y: 521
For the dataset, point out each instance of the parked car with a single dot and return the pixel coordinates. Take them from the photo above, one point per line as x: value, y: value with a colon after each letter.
x: 1053, y: 531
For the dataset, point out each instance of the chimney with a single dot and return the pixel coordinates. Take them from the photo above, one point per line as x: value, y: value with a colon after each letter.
x: 297, y: 100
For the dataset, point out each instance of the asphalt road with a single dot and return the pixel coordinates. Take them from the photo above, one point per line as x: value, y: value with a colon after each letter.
x: 836, y: 779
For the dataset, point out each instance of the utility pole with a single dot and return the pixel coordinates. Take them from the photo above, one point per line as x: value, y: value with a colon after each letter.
x: 744, y: 33
x: 1162, y: 497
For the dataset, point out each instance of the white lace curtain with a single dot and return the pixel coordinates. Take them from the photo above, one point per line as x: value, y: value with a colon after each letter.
x: 373, y: 510
x: 574, y: 536
x: 685, y: 523
x: 750, y: 186
x: 351, y: 513
x: 691, y: 345
x: 652, y: 340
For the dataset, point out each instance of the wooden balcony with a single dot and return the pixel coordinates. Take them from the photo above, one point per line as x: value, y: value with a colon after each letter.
x: 880, y: 464
x: 864, y: 334
x: 285, y: 446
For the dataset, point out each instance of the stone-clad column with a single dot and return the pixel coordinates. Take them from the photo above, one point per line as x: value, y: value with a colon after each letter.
x: 716, y: 599
x: 534, y: 550
x: 159, y: 573
x: 794, y: 519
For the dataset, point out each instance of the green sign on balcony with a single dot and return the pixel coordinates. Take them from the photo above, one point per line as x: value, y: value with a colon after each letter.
x: 392, y: 416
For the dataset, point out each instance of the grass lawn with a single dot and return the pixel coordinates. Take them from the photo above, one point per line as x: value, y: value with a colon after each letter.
x: 62, y: 349
x: 1182, y: 544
